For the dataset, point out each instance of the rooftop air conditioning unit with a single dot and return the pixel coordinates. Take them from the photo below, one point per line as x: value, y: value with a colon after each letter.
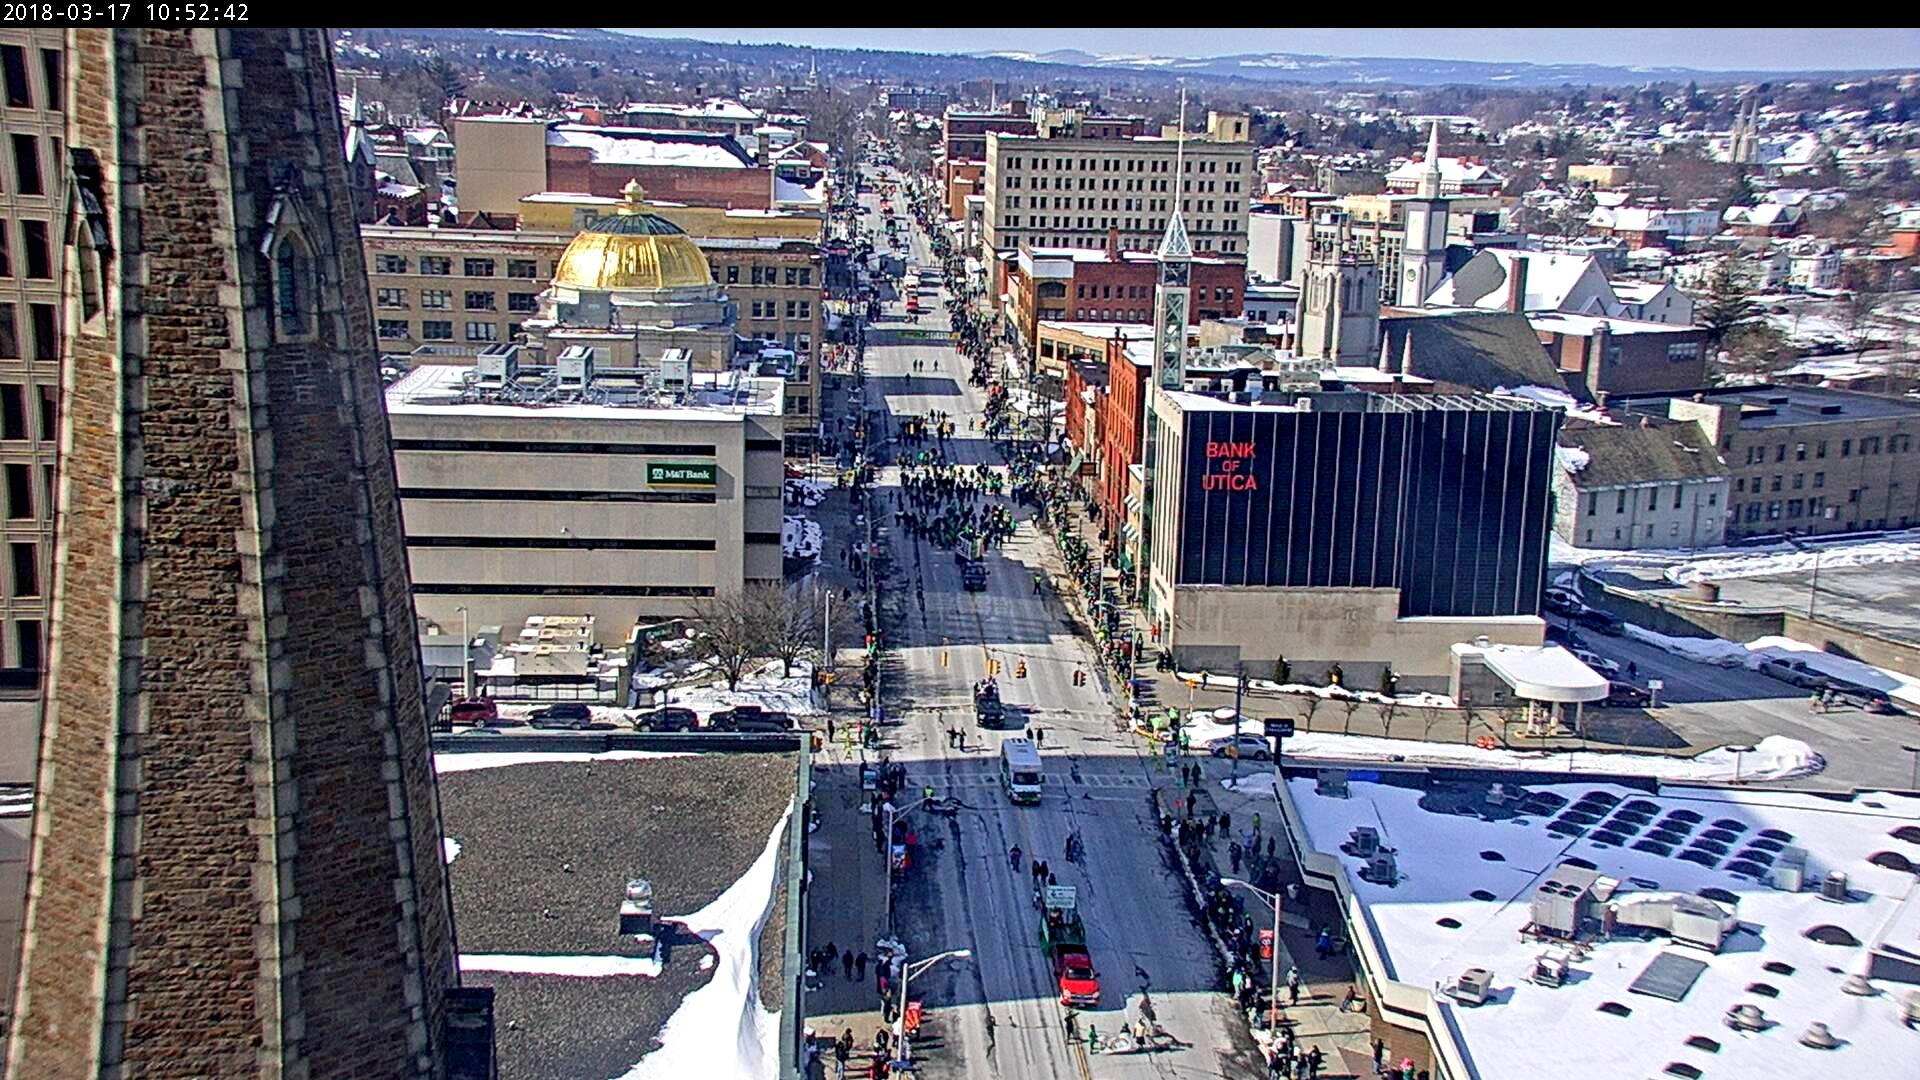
x: 1473, y: 987
x: 1364, y: 841
x: 1381, y: 870
x: 1331, y: 783
x: 574, y: 368
x: 1834, y: 887
x: 497, y: 366
x: 1790, y: 869
x: 676, y: 371
x: 636, y: 908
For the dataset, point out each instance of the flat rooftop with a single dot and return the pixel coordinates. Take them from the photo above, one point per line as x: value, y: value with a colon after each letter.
x: 1469, y: 872
x: 1781, y: 406
x: 541, y: 848
x: 445, y: 389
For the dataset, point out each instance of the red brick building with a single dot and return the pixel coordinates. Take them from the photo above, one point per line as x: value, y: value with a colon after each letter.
x: 1111, y: 286
x: 1122, y: 414
x: 699, y: 168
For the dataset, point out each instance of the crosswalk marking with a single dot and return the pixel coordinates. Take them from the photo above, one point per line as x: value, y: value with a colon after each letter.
x: 919, y: 778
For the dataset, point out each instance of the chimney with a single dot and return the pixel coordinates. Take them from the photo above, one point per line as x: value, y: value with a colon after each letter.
x: 1601, y: 331
x: 1517, y: 285
x: 1113, y: 243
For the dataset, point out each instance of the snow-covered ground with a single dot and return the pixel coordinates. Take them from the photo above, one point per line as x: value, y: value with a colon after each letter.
x: 1775, y: 757
x: 805, y: 493
x: 722, y: 1029
x: 1724, y: 653
x: 459, y: 761
x: 1332, y: 693
x: 762, y: 685
x: 1450, y: 910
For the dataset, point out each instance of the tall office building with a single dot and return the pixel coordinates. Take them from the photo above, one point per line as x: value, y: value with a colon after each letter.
x: 236, y: 863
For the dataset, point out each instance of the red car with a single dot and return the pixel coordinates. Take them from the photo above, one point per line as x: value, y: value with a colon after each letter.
x: 1079, y: 983
x: 475, y: 712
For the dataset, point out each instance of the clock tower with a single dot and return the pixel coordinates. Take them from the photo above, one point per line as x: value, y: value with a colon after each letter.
x: 1170, y: 300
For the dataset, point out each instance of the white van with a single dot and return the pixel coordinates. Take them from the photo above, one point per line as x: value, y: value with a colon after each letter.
x: 1020, y: 770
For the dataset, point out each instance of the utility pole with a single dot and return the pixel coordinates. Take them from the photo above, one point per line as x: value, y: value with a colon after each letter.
x: 1239, y: 695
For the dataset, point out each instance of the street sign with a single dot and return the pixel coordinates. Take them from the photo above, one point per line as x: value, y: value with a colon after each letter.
x: 1279, y: 729
x: 1060, y: 897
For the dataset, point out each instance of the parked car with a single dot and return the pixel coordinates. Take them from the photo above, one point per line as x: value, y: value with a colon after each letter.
x: 1794, y: 673
x: 749, y: 718
x: 670, y: 718
x: 474, y: 712
x: 1565, y: 636
x: 1250, y: 746
x: 1622, y: 695
x: 1594, y: 619
x: 1561, y: 602
x: 1597, y: 662
x: 566, y: 714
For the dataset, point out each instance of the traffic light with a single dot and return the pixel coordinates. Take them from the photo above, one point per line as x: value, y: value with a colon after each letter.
x: 1020, y: 671
x: 943, y: 658
x: 1079, y: 677
x: 993, y: 667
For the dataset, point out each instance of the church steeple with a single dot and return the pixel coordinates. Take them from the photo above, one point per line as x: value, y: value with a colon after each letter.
x: 1430, y: 179
x: 1171, y: 295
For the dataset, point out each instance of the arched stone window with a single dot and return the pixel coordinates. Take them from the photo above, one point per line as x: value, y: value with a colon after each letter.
x: 294, y: 300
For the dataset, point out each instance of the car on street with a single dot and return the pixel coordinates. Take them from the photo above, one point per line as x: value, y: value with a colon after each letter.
x: 566, y: 714
x: 1794, y: 673
x: 1622, y: 695
x: 1079, y: 983
x: 973, y: 577
x: 748, y: 719
x: 670, y: 718
x: 1565, y: 636
x: 1249, y: 746
x: 1594, y: 660
x: 1595, y: 619
x: 474, y: 712
x: 1561, y: 601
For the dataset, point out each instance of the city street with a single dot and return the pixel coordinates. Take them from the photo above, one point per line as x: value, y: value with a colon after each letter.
x: 964, y: 892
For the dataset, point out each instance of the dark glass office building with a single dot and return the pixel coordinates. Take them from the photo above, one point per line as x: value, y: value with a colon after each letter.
x: 1443, y: 497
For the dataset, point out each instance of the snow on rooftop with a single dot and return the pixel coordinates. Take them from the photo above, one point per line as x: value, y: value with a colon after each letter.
x: 437, y: 389
x: 1556, y: 399
x: 1540, y: 672
x: 1429, y: 928
x: 637, y: 146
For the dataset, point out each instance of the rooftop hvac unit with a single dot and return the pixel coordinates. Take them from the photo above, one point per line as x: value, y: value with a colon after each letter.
x: 1834, y: 887
x: 676, y: 371
x: 1381, y: 870
x: 497, y: 365
x: 636, y: 907
x: 574, y: 369
x: 1331, y: 783
x: 1364, y: 841
x: 1790, y: 869
x: 1473, y: 987
x: 1550, y: 970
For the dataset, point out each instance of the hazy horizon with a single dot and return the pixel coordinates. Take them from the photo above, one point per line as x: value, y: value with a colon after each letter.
x: 1727, y: 49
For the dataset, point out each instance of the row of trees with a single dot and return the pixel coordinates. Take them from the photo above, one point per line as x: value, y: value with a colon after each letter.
x: 765, y: 621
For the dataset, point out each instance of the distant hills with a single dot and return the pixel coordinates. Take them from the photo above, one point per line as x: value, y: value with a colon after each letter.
x: 1388, y: 70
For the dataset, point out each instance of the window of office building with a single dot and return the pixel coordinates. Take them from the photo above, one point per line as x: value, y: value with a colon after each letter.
x: 390, y: 264
x: 53, y: 67
x: 390, y: 298
x: 436, y: 330
x: 480, y: 301
x: 26, y: 165
x: 9, y: 333
x: 393, y: 328
x: 483, y: 331
x: 26, y: 569
x: 13, y: 411
x: 26, y: 644
x: 523, y: 301
x: 19, y: 491
x: 19, y: 90
x: 478, y: 267
x: 436, y: 299
x: 523, y: 268
x: 436, y: 265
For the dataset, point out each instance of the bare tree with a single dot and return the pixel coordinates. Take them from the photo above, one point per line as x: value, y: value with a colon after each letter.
x: 1387, y: 709
x: 1309, y: 704
x: 1351, y: 705
x: 1860, y: 311
x: 795, y: 620
x: 734, y: 626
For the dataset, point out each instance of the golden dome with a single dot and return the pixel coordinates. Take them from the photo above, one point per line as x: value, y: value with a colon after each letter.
x: 632, y: 249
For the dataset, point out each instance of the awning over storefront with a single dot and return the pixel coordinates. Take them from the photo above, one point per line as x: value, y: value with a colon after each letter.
x: 1133, y: 504
x: 1539, y: 672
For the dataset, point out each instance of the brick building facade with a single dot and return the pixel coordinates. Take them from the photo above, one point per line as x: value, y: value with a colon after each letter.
x: 236, y: 855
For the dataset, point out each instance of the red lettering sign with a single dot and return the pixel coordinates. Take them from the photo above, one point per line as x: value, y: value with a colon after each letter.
x: 1228, y: 458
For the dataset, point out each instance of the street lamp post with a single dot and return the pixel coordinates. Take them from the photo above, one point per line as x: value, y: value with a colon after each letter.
x: 907, y: 972
x: 1273, y: 986
x: 1813, y: 589
x: 1915, y: 751
x: 466, y: 655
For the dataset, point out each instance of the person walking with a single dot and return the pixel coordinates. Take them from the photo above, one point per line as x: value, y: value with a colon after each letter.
x: 859, y: 970
x: 1226, y: 822
x: 841, y: 1052
x: 846, y: 962
x: 1013, y: 856
x: 1379, y: 1057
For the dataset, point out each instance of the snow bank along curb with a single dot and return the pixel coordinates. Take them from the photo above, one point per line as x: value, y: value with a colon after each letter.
x: 1267, y: 686
x: 1775, y: 757
x: 1731, y: 654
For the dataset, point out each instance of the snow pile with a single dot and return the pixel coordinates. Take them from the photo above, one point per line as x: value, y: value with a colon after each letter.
x: 1775, y: 757
x: 1723, y: 653
x: 458, y: 761
x: 722, y: 1029
x: 765, y: 687
x: 805, y: 492
x: 1331, y: 693
x: 450, y: 848
x: 799, y: 537
x: 1787, y: 560
x: 1557, y: 399
x: 1572, y: 458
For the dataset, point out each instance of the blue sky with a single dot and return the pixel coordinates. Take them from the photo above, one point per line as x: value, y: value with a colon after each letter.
x: 1716, y: 49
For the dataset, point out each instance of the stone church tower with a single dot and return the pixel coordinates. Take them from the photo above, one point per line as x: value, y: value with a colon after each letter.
x: 236, y: 864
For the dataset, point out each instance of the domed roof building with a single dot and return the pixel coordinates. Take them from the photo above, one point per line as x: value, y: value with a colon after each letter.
x: 630, y: 286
